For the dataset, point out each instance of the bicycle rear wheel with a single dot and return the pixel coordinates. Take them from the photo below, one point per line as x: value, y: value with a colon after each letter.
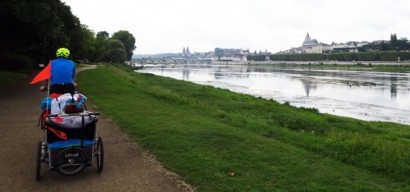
x: 71, y: 161
x: 38, y: 163
x: 99, y: 154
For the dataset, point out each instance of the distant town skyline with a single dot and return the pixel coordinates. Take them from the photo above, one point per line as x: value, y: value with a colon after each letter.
x: 309, y: 45
x: 166, y: 26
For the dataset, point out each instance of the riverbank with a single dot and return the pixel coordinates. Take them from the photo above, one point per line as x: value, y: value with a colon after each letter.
x: 218, y: 140
x: 400, y: 67
x: 381, y: 66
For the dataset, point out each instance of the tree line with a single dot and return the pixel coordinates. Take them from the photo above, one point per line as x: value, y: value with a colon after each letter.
x: 393, y: 45
x: 32, y: 31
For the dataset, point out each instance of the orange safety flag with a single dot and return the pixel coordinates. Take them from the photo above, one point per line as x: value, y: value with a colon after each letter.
x: 43, y: 75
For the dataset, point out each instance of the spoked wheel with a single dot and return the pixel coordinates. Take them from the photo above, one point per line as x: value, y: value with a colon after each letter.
x: 99, y: 154
x: 71, y: 161
x: 38, y: 163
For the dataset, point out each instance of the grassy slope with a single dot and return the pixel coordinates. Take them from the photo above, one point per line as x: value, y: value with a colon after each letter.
x: 222, y: 141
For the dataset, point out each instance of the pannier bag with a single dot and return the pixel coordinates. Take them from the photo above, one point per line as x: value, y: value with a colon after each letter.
x: 72, y: 122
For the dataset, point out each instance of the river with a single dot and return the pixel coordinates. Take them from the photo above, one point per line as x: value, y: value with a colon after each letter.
x: 375, y: 96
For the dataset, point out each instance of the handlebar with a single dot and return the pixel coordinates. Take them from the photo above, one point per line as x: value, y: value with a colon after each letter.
x: 43, y: 89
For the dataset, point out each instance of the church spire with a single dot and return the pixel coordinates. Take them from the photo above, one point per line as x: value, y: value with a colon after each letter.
x: 307, y: 38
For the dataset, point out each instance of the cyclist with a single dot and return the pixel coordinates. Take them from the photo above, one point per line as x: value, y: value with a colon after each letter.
x: 62, y: 73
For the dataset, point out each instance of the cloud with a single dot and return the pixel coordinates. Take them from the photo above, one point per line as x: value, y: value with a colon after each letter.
x: 168, y: 26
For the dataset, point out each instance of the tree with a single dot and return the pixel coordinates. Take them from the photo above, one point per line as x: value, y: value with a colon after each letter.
x: 31, y: 32
x: 36, y: 29
x: 102, y: 35
x: 128, y: 40
x: 100, y: 40
x: 393, y: 39
x: 83, y: 45
x: 114, y: 51
x: 219, y: 52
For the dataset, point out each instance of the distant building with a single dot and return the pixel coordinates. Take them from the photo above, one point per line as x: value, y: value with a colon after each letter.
x: 308, y: 42
x: 310, y: 45
x: 294, y: 50
x: 234, y: 55
x: 244, y: 55
x: 378, y: 42
x: 185, y: 52
x: 345, y: 47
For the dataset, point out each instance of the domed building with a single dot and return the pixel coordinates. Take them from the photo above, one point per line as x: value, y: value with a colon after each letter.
x: 309, y: 43
x: 313, y: 46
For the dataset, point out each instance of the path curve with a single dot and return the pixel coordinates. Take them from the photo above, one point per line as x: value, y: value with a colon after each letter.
x: 127, y: 166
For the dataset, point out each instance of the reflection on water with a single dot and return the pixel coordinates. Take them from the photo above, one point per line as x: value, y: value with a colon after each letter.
x: 308, y: 84
x: 360, y: 94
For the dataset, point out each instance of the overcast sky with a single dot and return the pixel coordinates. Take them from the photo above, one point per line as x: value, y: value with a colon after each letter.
x: 166, y: 26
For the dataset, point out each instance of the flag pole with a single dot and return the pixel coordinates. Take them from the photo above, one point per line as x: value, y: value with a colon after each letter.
x: 48, y: 86
x: 48, y: 94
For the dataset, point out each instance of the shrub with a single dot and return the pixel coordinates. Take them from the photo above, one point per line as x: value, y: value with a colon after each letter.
x: 14, y: 62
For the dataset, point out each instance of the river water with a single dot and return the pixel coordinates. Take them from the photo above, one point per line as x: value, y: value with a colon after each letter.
x: 379, y: 96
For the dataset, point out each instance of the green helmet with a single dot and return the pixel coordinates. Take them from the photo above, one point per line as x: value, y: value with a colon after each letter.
x: 63, y: 52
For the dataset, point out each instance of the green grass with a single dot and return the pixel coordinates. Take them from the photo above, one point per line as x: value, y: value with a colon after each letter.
x: 218, y: 140
x: 9, y: 78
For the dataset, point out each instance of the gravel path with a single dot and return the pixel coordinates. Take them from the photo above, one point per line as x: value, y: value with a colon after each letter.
x: 127, y: 166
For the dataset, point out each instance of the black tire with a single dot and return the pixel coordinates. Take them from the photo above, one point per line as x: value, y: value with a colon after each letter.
x: 71, y: 161
x: 38, y: 163
x: 99, y: 154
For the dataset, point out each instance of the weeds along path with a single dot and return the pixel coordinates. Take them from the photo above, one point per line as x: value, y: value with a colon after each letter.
x: 127, y: 166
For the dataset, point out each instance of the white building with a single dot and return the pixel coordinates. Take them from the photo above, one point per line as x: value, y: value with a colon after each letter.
x: 309, y: 43
x: 313, y: 46
x: 233, y: 55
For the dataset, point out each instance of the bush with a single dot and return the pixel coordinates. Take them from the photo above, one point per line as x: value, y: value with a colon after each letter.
x: 256, y: 57
x: 14, y: 62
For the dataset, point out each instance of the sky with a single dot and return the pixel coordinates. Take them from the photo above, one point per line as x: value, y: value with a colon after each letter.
x: 167, y: 26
